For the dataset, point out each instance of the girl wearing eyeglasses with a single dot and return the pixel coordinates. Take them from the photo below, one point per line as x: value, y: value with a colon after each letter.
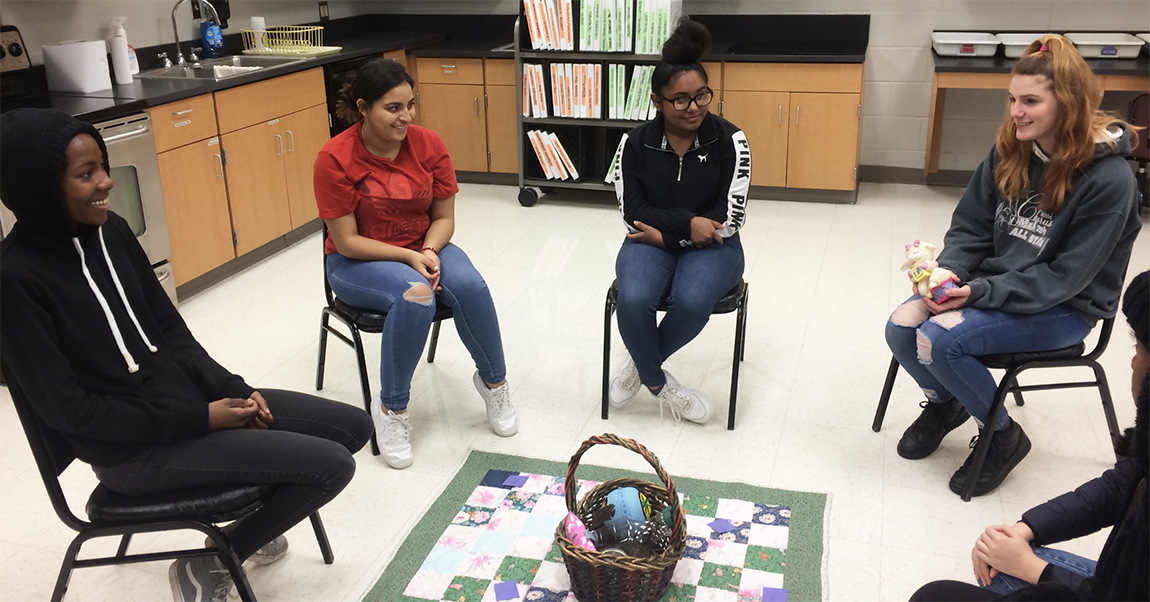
x: 682, y: 181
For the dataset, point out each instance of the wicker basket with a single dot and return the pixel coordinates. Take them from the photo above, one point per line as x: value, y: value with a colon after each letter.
x: 599, y: 577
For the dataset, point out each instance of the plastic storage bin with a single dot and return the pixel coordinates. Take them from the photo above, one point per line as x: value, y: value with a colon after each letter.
x: 962, y: 43
x: 1113, y: 45
x: 1014, y: 44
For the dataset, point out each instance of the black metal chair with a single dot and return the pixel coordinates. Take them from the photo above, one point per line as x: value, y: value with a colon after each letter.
x: 1014, y: 364
x: 111, y: 514
x: 1138, y: 115
x: 734, y: 300
x: 359, y: 320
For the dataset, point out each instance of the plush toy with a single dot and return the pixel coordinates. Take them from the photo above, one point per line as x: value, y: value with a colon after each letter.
x: 931, y: 281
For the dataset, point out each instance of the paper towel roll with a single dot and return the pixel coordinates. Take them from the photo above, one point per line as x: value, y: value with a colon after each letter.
x: 77, y: 66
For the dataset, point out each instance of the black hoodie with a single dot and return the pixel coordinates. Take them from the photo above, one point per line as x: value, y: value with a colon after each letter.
x: 109, y: 400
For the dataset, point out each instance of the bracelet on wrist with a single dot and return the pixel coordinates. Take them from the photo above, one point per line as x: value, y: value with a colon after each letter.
x: 432, y: 249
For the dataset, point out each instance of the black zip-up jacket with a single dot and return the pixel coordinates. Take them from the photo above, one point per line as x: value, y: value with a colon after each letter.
x: 657, y: 187
x: 107, y: 402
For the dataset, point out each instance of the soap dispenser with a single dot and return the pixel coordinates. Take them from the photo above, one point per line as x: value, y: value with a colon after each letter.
x: 211, y: 36
x: 121, y: 62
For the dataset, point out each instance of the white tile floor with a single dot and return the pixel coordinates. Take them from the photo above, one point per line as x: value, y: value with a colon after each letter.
x: 823, y: 280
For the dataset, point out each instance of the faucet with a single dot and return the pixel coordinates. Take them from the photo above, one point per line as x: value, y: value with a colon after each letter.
x: 204, y: 4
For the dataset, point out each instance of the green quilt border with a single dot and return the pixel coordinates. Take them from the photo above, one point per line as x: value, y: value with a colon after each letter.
x: 805, y: 538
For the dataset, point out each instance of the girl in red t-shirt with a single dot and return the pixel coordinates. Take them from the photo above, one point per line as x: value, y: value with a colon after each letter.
x: 386, y: 190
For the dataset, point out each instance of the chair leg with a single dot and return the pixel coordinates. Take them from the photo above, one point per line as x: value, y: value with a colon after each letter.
x: 736, y: 359
x: 986, y: 433
x: 322, y: 359
x: 239, y: 577
x: 364, y: 383
x: 1018, y: 401
x: 609, y: 309
x: 1107, y: 401
x: 884, y: 399
x: 743, y: 320
x: 66, y: 568
x: 321, y: 537
x: 434, y: 341
x: 123, y: 549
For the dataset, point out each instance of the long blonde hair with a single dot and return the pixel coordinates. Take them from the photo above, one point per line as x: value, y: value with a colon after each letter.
x: 1078, y: 94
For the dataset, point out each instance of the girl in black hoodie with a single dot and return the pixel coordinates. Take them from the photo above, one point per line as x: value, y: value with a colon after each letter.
x: 1002, y: 555
x: 105, y: 360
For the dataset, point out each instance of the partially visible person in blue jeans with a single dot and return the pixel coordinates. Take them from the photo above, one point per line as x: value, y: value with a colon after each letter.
x: 682, y: 181
x: 1039, y: 244
x: 1011, y: 562
x: 386, y: 190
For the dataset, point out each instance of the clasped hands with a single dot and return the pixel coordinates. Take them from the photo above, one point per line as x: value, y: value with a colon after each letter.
x: 232, y: 413
x: 955, y: 298
x: 704, y: 231
x: 1006, y: 549
x: 427, y: 264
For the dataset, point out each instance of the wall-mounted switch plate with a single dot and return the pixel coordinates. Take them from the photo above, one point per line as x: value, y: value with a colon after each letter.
x: 323, y: 14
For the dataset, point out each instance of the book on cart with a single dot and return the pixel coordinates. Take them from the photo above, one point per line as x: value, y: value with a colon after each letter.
x: 549, y: 24
x: 553, y: 157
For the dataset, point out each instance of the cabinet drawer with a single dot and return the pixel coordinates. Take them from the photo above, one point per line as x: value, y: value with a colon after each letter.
x: 450, y: 71
x: 793, y: 77
x: 263, y: 101
x: 499, y: 72
x: 184, y: 122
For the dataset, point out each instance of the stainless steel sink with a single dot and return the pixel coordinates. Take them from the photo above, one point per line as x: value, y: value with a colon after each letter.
x: 206, y: 69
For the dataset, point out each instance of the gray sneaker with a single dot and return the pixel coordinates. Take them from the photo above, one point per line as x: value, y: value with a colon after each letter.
x: 199, y: 579
x: 271, y: 552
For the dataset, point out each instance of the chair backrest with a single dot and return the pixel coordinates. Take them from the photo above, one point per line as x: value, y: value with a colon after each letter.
x: 330, y: 296
x: 1139, y: 115
x: 52, y: 452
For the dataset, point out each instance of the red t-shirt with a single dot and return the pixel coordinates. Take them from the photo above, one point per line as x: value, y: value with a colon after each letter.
x: 390, y: 198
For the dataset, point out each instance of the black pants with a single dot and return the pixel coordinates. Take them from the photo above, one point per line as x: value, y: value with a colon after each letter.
x: 951, y: 591
x: 307, y: 453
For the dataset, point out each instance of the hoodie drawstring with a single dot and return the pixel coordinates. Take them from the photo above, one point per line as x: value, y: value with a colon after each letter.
x: 120, y: 288
x: 128, y: 359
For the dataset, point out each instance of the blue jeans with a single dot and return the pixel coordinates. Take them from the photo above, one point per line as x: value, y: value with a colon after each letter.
x: 690, y: 280
x: 1004, y: 584
x: 380, y: 285
x: 306, y: 453
x: 941, y: 352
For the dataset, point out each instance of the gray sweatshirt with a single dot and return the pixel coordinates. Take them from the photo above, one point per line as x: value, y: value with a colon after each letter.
x: 1019, y: 258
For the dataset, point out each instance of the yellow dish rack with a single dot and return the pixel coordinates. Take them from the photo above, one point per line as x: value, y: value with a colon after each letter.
x: 287, y: 40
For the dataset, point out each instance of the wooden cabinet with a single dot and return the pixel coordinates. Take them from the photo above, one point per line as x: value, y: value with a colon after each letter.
x: 196, y: 201
x: 499, y: 84
x: 456, y: 113
x: 802, y: 121
x: 470, y: 103
x: 226, y: 195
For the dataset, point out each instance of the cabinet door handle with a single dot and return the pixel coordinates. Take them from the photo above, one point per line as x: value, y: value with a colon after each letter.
x: 476, y: 105
x: 780, y: 114
x: 220, y: 162
x: 797, y: 115
x: 448, y: 66
x: 280, y: 142
x: 291, y: 139
x: 185, y: 112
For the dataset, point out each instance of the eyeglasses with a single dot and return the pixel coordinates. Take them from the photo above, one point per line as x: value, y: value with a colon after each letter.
x: 682, y: 103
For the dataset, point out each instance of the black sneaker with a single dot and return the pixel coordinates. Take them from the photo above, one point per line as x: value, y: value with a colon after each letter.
x: 925, y: 434
x: 1007, y: 449
x: 199, y: 579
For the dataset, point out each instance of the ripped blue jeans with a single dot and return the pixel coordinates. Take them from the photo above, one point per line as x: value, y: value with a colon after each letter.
x: 390, y: 286
x: 941, y: 352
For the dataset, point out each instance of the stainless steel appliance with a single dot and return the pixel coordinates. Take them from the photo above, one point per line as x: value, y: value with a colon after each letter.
x: 137, y: 196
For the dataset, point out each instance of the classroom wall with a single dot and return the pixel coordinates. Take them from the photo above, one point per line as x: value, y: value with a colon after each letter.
x: 149, y: 21
x: 899, y: 68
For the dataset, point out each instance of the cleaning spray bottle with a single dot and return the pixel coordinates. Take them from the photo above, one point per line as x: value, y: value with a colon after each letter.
x: 121, y: 63
x: 211, y: 36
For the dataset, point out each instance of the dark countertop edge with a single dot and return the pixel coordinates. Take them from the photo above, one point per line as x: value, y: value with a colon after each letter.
x: 123, y: 100
x: 1139, y: 65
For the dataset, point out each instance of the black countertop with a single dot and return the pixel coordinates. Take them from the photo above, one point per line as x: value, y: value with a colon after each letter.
x: 748, y: 38
x: 1001, y: 64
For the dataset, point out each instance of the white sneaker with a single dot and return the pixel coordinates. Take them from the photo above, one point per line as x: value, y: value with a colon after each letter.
x: 625, y: 385
x: 684, y: 402
x: 500, y: 412
x: 393, y: 433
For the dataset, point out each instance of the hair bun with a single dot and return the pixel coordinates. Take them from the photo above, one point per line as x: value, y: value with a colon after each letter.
x: 345, y: 106
x: 687, y: 44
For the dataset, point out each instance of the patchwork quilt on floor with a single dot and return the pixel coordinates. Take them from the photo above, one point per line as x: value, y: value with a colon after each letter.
x: 505, y: 533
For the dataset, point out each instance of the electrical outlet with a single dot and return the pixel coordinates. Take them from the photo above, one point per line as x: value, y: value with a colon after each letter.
x: 323, y: 14
x: 195, y: 9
